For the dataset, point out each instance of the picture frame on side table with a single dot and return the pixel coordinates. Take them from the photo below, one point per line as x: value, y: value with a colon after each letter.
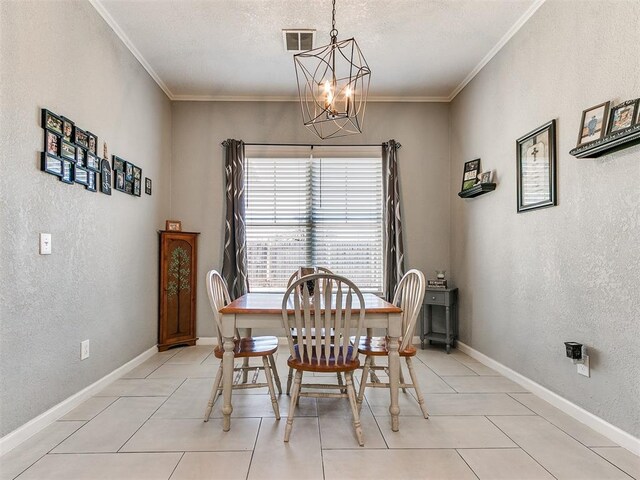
x: 594, y: 123
x: 622, y: 116
x: 105, y: 176
x: 173, y: 226
x: 470, y: 175
x: 536, y: 168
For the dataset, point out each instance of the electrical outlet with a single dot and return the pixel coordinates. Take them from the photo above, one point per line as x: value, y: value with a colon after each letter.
x: 45, y: 244
x: 84, y: 350
x: 583, y: 368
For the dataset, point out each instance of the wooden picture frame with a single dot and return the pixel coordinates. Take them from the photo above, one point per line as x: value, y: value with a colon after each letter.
x: 105, y: 176
x: 173, y: 226
x: 593, y: 124
x: 470, y: 174
x: 51, y: 122
x: 622, y: 116
x: 51, y: 164
x: 536, y: 168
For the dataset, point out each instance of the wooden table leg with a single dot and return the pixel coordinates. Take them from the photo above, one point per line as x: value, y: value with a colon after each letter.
x: 227, y: 369
x: 394, y: 372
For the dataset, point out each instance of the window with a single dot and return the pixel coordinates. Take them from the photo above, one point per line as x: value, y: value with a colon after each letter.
x: 320, y: 206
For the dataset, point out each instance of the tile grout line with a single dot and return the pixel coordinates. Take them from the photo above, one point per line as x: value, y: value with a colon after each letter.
x: 253, y: 450
x: 606, y: 459
x: 467, y: 464
x: 175, y: 468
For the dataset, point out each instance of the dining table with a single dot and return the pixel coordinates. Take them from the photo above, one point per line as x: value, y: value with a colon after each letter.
x: 264, y: 311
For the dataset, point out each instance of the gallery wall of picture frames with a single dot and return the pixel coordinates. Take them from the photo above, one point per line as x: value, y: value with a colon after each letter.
x: 71, y: 154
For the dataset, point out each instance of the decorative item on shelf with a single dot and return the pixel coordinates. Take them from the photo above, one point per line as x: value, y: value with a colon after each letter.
x: 470, y: 175
x: 439, y: 281
x: 333, y: 83
x: 536, y: 167
x: 173, y: 226
x: 147, y: 185
x: 475, y: 183
x: 593, y: 123
x: 622, y: 116
x: 485, y: 177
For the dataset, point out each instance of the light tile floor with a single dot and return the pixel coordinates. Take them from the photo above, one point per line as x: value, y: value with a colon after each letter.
x: 148, y: 425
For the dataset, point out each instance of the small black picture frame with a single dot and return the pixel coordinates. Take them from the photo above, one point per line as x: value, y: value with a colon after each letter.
x: 593, y: 123
x: 52, y: 143
x: 118, y: 164
x: 128, y: 187
x: 81, y: 138
x: 92, y: 143
x: 105, y: 176
x: 67, y: 129
x: 80, y: 175
x: 147, y: 185
x: 67, y: 171
x: 470, y: 174
x: 536, y: 168
x: 137, y: 173
x: 51, y: 164
x: 622, y: 116
x: 68, y: 151
x: 81, y: 157
x: 91, y: 181
x: 93, y: 162
x: 128, y: 171
x: 118, y: 180
x: 51, y: 122
x: 137, y: 187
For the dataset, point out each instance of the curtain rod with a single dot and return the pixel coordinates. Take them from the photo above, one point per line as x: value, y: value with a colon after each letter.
x: 314, y: 145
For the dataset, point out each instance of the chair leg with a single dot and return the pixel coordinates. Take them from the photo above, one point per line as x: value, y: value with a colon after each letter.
x: 416, y: 387
x: 214, y: 393
x: 289, y: 380
x: 341, y: 383
x: 276, y: 377
x: 363, y: 381
x: 292, y: 406
x: 402, y: 384
x: 374, y: 377
x: 351, y: 393
x: 272, y: 392
x: 245, y: 370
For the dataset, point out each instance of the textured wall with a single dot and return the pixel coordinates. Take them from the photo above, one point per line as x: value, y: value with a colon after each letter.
x: 198, y: 171
x: 101, y: 281
x: 530, y: 281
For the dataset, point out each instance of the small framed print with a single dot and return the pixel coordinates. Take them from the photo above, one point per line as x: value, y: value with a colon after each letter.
x: 470, y: 175
x: 80, y: 175
x: 485, y: 177
x: 51, y: 121
x: 93, y: 143
x: 137, y: 173
x: 51, y: 143
x: 67, y: 129
x: 128, y: 171
x: 91, y: 181
x: 147, y: 185
x: 637, y: 122
x: 593, y: 123
x: 128, y: 186
x: 81, y: 156
x: 118, y: 180
x: 536, y: 166
x: 137, y: 188
x: 118, y: 164
x: 173, y: 226
x: 622, y: 116
x: 93, y: 162
x: 105, y: 176
x: 51, y: 164
x: 67, y: 150
x: 81, y: 138
x: 67, y: 171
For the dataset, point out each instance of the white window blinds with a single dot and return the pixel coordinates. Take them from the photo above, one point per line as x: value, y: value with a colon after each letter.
x: 318, y: 207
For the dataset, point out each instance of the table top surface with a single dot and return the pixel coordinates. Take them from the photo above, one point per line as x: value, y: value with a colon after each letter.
x: 271, y: 303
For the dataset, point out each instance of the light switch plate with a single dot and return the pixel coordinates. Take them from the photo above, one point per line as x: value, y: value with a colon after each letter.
x: 45, y: 244
x: 583, y: 368
x: 84, y: 350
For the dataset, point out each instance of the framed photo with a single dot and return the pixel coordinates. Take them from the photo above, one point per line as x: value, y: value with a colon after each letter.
x: 93, y: 162
x: 93, y: 143
x: 173, y: 226
x: 81, y: 157
x: 51, y: 164
x: 51, y: 121
x: 68, y: 151
x: 147, y: 185
x: 128, y: 171
x: 485, y: 177
x: 137, y: 187
x: 622, y: 116
x: 593, y: 123
x: 118, y: 164
x: 67, y: 129
x: 128, y: 186
x: 137, y: 173
x: 118, y: 181
x: 80, y: 175
x: 637, y: 115
x: 51, y: 143
x: 67, y: 171
x: 105, y: 175
x: 470, y: 175
x: 91, y: 181
x: 536, y: 167
x: 81, y: 138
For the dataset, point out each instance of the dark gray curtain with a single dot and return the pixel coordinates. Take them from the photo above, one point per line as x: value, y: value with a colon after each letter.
x: 234, y: 266
x: 393, y: 246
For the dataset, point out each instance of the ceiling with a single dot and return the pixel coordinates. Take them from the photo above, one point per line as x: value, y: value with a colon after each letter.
x: 418, y: 50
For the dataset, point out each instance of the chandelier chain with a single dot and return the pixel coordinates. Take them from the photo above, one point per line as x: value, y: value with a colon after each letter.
x: 334, y: 32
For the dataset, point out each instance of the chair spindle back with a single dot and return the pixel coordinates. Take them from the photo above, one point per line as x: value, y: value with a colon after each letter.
x: 218, y: 298
x: 409, y: 295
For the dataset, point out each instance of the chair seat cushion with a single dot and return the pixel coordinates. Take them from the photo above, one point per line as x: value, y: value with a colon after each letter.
x: 378, y: 346
x: 320, y: 364
x: 250, y: 347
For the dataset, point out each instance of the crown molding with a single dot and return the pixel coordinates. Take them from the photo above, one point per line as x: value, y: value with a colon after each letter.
x: 497, y: 47
x: 276, y: 98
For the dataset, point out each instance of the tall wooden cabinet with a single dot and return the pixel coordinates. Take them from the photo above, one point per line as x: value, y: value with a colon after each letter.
x: 178, y: 275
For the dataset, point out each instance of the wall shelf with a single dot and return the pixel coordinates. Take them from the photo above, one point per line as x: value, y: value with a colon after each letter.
x: 609, y: 144
x: 477, y: 190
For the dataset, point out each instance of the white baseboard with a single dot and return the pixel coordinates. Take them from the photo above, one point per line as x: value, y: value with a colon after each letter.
x: 33, y: 426
x: 601, y: 426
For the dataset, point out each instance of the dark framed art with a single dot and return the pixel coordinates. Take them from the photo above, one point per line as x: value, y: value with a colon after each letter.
x: 51, y: 122
x: 137, y: 173
x: 637, y: 122
x: 118, y: 164
x: 80, y: 175
x: 128, y: 187
x: 51, y: 164
x: 128, y: 171
x: 93, y: 143
x: 91, y: 181
x: 137, y: 187
x: 51, y: 143
x: 470, y: 175
x: 81, y: 157
x: 536, y: 168
x: 118, y: 180
x: 105, y: 176
x: 81, y: 138
x: 147, y: 185
x: 594, y: 123
x: 67, y: 129
x: 67, y: 150
x: 67, y: 171
x: 622, y: 116
x: 93, y: 162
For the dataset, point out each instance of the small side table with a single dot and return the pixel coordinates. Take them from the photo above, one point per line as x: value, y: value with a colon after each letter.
x: 443, y: 297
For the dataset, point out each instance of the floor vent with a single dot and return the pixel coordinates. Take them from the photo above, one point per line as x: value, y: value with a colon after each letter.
x: 298, y: 40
